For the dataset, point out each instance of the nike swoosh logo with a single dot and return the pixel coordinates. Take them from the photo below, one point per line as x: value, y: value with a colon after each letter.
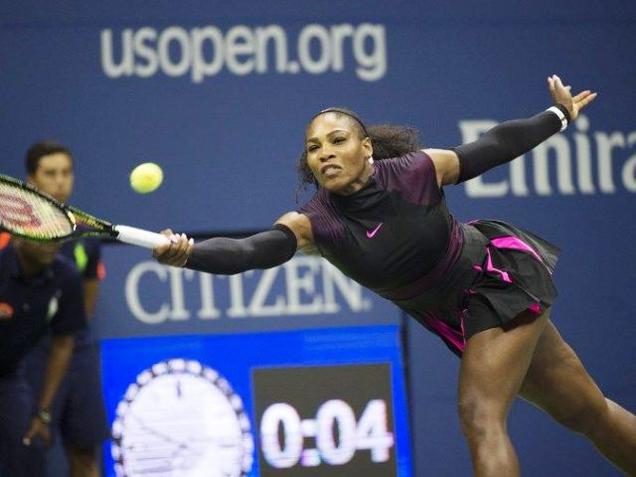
x: 371, y: 233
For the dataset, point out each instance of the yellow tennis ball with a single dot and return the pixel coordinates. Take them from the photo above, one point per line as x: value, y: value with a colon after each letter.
x: 146, y: 177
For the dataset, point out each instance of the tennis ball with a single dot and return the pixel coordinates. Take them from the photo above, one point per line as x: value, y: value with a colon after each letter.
x: 146, y: 177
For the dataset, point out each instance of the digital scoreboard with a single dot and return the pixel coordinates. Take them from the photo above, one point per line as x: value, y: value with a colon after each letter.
x: 325, y: 421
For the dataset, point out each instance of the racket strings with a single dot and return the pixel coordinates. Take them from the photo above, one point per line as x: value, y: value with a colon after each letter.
x: 24, y: 212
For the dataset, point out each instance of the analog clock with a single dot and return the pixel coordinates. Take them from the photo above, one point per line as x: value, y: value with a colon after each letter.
x: 181, y: 418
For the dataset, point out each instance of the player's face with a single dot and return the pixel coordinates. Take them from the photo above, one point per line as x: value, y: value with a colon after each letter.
x: 336, y: 154
x: 36, y: 254
x: 54, y: 176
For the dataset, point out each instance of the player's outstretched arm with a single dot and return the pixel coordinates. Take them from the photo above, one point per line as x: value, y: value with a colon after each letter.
x: 226, y: 256
x: 509, y: 139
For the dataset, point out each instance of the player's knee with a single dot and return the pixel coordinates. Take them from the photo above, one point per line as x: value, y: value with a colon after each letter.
x: 586, y: 417
x: 480, y: 418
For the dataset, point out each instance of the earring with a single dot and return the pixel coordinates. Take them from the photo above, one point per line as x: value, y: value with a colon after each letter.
x: 370, y: 159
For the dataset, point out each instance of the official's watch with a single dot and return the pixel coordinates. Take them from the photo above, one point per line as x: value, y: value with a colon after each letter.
x: 44, y: 415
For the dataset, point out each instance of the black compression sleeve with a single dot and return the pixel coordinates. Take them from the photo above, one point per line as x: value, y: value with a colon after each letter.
x: 227, y: 256
x: 504, y: 142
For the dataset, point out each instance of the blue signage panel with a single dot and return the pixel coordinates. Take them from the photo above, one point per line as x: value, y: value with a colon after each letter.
x: 311, y: 403
x: 219, y: 93
x: 141, y: 297
x: 221, y: 100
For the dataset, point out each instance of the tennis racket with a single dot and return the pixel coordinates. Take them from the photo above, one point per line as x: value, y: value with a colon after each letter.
x: 29, y: 213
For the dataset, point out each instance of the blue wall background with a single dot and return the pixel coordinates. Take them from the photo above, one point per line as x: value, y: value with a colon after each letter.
x: 228, y: 145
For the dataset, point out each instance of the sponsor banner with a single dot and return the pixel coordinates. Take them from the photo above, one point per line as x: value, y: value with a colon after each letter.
x: 143, y: 297
x: 241, y: 50
x: 582, y: 161
x: 221, y: 101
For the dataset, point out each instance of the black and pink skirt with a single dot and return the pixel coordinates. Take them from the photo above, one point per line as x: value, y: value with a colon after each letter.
x: 501, y: 272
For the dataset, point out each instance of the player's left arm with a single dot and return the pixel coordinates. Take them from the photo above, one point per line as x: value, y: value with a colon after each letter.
x: 510, y: 139
x: 446, y: 165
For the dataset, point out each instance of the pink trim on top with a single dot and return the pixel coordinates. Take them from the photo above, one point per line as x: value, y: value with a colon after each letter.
x: 535, y: 308
x: 447, y: 332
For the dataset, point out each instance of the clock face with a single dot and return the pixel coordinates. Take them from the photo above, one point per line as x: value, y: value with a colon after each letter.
x: 181, y: 419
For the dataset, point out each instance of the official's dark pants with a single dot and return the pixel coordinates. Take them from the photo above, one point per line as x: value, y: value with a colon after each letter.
x: 16, y: 410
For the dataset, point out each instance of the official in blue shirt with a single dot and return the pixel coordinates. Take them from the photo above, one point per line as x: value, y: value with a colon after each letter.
x: 79, y: 413
x: 40, y: 293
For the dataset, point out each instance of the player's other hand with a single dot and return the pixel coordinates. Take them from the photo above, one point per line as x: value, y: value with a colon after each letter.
x: 563, y: 95
x: 176, y: 252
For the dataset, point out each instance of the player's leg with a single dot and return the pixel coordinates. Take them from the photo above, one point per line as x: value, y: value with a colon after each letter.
x: 493, y: 367
x: 558, y: 383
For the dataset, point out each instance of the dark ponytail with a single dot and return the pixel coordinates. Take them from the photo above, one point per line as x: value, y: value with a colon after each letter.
x: 390, y: 140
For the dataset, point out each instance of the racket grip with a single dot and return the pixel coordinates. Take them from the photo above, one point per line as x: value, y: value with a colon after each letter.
x: 139, y: 237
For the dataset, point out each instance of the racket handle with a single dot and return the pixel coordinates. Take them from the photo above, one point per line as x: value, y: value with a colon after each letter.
x: 140, y: 237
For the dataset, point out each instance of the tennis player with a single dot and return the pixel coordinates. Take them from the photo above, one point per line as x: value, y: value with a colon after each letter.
x: 485, y: 288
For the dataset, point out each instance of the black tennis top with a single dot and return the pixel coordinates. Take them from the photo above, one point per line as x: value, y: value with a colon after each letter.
x: 394, y: 235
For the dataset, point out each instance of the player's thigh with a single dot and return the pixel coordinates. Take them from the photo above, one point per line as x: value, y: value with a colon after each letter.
x: 495, y: 362
x: 557, y: 381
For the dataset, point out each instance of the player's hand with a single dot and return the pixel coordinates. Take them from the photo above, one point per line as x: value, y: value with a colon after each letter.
x: 563, y: 95
x: 37, y: 429
x: 176, y: 252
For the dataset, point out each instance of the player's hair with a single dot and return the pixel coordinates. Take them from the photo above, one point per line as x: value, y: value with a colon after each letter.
x: 389, y: 140
x: 40, y: 149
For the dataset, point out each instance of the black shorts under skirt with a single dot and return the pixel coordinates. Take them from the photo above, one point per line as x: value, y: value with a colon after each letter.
x: 501, y: 272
